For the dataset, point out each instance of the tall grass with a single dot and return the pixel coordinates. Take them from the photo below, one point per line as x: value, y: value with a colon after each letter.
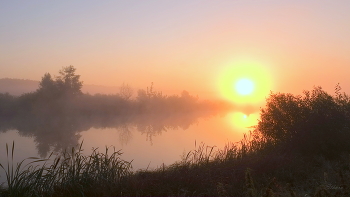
x: 202, y: 153
x: 239, y: 169
x: 19, y: 178
x: 69, y: 174
x: 246, y: 168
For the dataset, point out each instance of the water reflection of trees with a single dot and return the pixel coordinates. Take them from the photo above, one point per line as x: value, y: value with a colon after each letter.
x: 55, y: 133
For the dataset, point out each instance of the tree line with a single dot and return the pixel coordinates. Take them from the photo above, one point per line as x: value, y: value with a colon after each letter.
x: 62, y: 95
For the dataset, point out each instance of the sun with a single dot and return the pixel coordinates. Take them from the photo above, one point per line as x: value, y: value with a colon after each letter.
x: 245, y: 82
x: 244, y: 86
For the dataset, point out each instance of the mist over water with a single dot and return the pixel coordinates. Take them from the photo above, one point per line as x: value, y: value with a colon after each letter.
x: 146, y: 140
x: 56, y: 133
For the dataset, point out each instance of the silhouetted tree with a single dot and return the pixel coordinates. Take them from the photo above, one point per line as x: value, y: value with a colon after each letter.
x: 125, y: 91
x: 48, y: 88
x: 68, y: 82
x: 316, y: 123
x: 46, y: 83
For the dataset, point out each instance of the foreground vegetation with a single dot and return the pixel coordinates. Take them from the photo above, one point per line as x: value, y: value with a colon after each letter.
x: 237, y: 170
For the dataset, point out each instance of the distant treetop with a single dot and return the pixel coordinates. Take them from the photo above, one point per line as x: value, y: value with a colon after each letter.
x: 67, y: 83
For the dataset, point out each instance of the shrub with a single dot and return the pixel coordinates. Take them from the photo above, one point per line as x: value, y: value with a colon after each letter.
x: 315, y: 123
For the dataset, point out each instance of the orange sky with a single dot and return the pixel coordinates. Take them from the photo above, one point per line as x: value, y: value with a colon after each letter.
x: 178, y: 45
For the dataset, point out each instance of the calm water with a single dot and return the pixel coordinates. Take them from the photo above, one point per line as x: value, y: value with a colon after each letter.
x: 146, y: 141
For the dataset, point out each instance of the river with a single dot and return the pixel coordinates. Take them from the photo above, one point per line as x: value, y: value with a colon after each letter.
x: 148, y: 142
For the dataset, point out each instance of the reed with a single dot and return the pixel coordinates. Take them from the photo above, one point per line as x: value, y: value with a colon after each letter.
x: 70, y: 173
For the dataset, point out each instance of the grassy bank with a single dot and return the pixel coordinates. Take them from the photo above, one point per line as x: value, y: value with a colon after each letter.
x: 237, y: 170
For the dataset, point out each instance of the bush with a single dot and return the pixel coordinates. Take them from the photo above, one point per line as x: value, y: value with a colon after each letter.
x: 314, y: 123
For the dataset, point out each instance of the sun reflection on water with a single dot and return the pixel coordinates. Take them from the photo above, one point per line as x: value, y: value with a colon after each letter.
x: 244, y: 121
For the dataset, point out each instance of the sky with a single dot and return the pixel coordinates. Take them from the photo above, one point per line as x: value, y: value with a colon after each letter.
x: 193, y: 45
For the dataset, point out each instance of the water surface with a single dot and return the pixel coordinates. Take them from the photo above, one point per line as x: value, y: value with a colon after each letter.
x: 148, y: 141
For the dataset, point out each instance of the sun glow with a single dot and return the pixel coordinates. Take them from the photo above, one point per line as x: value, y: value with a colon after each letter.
x: 244, y: 82
x: 244, y: 86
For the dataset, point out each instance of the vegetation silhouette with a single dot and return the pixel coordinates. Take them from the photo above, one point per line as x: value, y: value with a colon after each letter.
x: 314, y: 123
x: 58, y: 111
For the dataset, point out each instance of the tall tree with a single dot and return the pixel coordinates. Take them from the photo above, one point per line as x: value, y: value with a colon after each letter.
x: 46, y: 83
x: 47, y: 87
x: 68, y: 82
